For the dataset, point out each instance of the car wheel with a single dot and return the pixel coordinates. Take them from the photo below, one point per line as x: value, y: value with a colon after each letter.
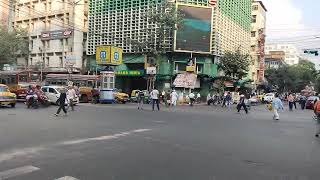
x: 13, y: 105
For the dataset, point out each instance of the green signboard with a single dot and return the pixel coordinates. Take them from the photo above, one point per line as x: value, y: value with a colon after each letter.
x: 130, y: 73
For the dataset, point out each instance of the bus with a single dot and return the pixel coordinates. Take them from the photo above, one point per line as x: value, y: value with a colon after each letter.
x: 84, y: 82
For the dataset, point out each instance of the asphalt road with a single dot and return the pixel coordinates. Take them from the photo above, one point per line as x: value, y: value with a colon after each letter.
x: 119, y: 142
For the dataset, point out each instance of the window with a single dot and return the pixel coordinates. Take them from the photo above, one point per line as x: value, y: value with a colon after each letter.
x: 255, y: 7
x: 253, y: 34
x: 61, y: 61
x: 51, y: 90
x: 31, y: 44
x: 254, y: 19
x: 45, y: 89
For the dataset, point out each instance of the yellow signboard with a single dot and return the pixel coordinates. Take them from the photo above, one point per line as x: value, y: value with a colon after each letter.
x: 191, y: 69
x: 107, y: 54
x: 116, y: 55
x: 103, y: 54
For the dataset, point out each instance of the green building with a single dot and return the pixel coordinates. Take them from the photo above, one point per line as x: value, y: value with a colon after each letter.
x: 117, y: 22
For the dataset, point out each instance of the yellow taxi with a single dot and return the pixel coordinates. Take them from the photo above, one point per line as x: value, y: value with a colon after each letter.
x: 6, y: 97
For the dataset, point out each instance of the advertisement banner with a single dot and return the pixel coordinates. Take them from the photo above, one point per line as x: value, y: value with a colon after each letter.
x: 187, y: 80
x: 130, y: 73
x: 195, y: 33
x: 116, y: 55
x: 59, y: 34
x: 103, y: 54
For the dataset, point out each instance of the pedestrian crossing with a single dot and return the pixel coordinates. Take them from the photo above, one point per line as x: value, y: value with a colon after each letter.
x: 24, y: 170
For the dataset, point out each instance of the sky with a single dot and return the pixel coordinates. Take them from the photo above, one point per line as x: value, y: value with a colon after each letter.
x: 294, y: 21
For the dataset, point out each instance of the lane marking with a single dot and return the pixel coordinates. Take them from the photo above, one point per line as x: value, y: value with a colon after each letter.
x: 36, y: 150
x: 17, y: 172
x: 103, y: 138
x: 67, y: 178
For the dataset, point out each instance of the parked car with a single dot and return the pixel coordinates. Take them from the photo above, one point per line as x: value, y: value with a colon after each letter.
x: 6, y: 97
x: 53, y: 93
x: 310, y: 101
x: 254, y: 100
x: 120, y: 97
x: 268, y: 97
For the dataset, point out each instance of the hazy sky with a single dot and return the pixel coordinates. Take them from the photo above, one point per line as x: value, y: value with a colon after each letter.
x: 294, y: 21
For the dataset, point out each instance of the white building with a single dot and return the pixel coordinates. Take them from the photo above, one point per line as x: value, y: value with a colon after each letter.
x: 57, y: 32
x: 291, y: 52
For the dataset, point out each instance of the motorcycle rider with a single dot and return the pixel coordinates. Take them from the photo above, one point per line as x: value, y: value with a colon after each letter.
x: 31, y: 96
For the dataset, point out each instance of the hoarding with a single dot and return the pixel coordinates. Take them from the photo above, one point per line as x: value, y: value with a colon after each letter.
x: 103, y: 54
x: 108, y: 55
x: 130, y: 73
x: 187, y: 80
x: 59, y: 34
x: 195, y: 33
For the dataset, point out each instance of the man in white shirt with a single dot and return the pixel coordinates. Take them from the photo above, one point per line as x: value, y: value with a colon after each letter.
x: 155, y: 98
x: 71, y: 94
x: 192, y: 98
x: 174, y: 98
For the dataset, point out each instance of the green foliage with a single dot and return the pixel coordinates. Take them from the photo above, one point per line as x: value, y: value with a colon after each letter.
x: 12, y: 45
x: 292, y: 78
x: 235, y: 64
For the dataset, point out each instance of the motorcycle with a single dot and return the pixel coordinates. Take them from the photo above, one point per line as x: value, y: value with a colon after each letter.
x: 33, y: 102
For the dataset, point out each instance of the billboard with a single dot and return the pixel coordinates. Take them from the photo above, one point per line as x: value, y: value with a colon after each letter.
x: 108, y: 55
x: 195, y: 33
x: 59, y: 34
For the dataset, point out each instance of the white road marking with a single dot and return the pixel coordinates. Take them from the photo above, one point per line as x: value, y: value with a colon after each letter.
x: 67, y: 178
x: 35, y: 150
x: 103, y: 138
x: 19, y: 153
x: 17, y: 172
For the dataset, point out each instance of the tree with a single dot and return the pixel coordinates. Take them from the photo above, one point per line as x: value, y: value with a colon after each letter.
x: 292, y: 78
x: 234, y: 64
x: 12, y: 45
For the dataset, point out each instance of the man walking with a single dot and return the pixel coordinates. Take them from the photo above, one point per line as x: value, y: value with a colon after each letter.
x: 303, y: 100
x: 71, y: 94
x: 155, y: 98
x: 61, y: 101
x: 277, y: 105
x: 140, y: 99
x: 242, y: 104
x: 290, y: 100
x: 174, y: 98
x: 228, y: 100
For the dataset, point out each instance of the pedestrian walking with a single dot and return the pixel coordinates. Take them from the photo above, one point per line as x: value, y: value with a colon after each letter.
x: 191, y: 98
x: 303, y: 100
x: 198, y: 98
x: 290, y: 100
x: 228, y: 99
x: 174, y: 98
x: 140, y: 99
x: 316, y: 110
x: 276, y: 106
x: 242, y: 104
x: 155, y: 98
x: 61, y: 102
x: 295, y: 101
x: 209, y: 99
x: 71, y: 94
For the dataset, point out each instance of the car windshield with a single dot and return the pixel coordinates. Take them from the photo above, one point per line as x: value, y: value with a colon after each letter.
x: 3, y: 89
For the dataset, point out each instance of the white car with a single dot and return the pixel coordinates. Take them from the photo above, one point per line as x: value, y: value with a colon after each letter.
x: 268, y: 97
x: 53, y: 93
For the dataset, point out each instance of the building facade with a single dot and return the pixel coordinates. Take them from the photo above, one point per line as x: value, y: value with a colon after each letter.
x: 275, y: 59
x: 57, y: 33
x: 4, y: 13
x: 224, y: 26
x: 292, y: 53
x: 258, y: 31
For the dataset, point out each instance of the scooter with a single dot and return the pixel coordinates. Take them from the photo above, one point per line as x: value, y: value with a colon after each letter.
x: 33, y: 102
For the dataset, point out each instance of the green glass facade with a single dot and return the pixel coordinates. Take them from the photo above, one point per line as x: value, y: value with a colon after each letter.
x: 239, y: 11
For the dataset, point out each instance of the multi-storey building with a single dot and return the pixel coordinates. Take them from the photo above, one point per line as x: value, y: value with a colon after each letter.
x: 292, y: 53
x: 224, y: 25
x: 57, y: 32
x: 275, y: 59
x: 258, y: 29
x: 4, y: 13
